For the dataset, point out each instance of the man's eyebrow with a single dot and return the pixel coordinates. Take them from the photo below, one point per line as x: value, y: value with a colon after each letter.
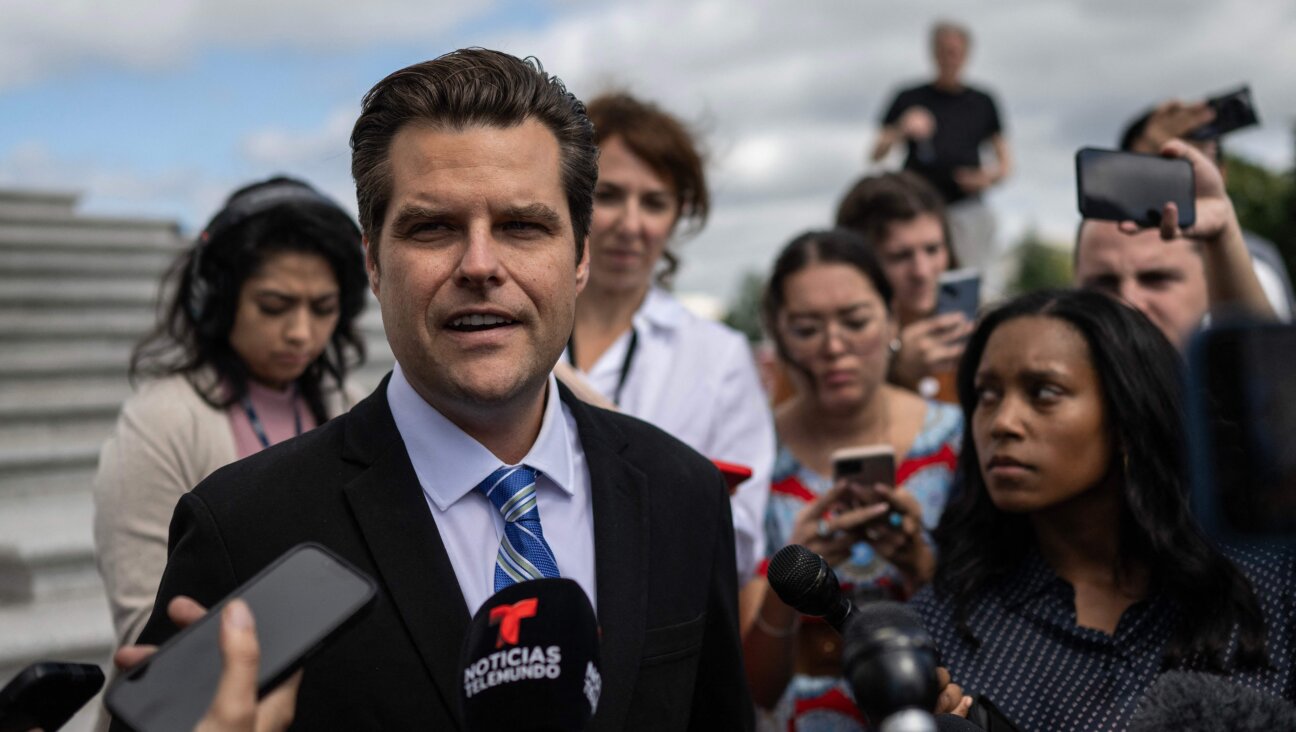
x: 411, y: 212
x: 536, y: 212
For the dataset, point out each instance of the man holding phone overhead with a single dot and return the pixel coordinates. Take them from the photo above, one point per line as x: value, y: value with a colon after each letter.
x: 475, y: 176
x: 1173, y: 275
x: 1203, y: 124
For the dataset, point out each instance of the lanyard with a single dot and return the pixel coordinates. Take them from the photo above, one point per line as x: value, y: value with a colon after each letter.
x: 625, y: 364
x: 255, y: 421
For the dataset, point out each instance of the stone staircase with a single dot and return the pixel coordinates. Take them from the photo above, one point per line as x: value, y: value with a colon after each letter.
x: 76, y: 292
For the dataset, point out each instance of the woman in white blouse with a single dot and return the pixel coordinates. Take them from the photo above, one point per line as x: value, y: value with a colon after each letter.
x: 634, y: 342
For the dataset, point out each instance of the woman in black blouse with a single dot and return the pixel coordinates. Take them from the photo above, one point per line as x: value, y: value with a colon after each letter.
x: 1070, y: 570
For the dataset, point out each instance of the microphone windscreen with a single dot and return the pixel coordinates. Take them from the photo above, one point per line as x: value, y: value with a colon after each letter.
x: 803, y: 580
x: 873, y: 616
x: 530, y: 659
x: 1187, y: 702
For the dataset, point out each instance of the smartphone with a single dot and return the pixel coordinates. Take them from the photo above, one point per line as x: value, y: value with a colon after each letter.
x: 865, y: 465
x: 959, y: 291
x: 304, y: 599
x: 1233, y: 111
x: 1242, y: 432
x: 1124, y: 186
x: 985, y: 715
x: 734, y: 474
x: 45, y: 695
x: 868, y: 465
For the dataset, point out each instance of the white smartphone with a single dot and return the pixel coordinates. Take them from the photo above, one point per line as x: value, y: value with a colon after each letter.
x: 866, y: 465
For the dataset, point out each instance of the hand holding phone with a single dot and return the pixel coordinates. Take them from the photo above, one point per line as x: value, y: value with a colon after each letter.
x: 1133, y: 187
x: 1230, y: 111
x: 1216, y: 223
x: 301, y: 601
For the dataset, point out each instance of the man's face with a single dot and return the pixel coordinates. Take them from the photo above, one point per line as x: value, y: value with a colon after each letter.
x: 1165, y: 280
x: 950, y: 50
x: 476, y: 271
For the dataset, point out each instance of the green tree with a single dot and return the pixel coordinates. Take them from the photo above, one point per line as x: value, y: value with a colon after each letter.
x: 744, y: 313
x: 1040, y: 264
x: 1266, y: 203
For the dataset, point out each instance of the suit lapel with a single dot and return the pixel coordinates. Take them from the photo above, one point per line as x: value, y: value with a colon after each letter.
x: 621, y: 552
x: 394, y: 519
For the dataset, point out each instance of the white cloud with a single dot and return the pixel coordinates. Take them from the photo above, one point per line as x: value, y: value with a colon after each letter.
x: 786, y: 95
x: 40, y: 38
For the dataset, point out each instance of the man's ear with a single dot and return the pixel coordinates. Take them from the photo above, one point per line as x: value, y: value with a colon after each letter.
x: 371, y: 264
x: 582, y: 267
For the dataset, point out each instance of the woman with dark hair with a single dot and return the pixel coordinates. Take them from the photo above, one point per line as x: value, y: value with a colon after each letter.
x: 255, y: 342
x: 637, y: 345
x: 1071, y: 570
x: 903, y: 218
x: 828, y: 310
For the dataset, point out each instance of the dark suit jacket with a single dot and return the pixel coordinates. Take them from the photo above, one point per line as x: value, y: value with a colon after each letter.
x: 664, y: 567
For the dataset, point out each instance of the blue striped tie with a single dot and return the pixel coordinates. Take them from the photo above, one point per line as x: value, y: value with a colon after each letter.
x: 523, y: 553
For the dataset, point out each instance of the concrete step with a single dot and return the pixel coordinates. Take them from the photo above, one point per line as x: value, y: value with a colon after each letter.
x: 26, y: 293
x: 89, y: 429
x: 33, y: 394
x: 46, y: 261
x: 16, y: 203
x: 71, y: 475
x: 69, y: 359
x: 47, y: 548
x: 77, y: 628
x: 115, y: 322
x: 16, y: 461
x: 83, y: 231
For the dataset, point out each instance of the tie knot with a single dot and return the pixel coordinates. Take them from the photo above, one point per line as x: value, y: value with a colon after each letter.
x: 511, y: 489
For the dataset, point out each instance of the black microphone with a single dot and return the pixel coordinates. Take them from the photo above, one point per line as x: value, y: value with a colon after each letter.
x: 530, y: 660
x: 805, y: 582
x: 1185, y: 701
x: 890, y: 662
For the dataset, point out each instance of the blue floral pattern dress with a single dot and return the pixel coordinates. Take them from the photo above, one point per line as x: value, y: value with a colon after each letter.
x: 824, y: 703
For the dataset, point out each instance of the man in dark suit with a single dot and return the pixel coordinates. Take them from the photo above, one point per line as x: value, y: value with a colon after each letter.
x: 475, y: 176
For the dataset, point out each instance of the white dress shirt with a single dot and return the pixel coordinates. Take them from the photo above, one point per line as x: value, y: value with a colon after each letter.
x: 696, y: 380
x: 450, y: 464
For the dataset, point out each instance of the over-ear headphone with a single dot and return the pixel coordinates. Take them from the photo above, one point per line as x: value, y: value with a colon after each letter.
x: 240, y: 207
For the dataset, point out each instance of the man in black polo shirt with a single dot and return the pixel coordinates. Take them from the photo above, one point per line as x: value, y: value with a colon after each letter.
x: 944, y: 123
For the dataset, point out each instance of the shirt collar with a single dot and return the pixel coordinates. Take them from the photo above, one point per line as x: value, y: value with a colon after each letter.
x: 449, y: 464
x: 1031, y: 578
x: 659, y: 309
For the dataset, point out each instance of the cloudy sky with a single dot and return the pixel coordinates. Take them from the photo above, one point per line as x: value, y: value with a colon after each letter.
x: 159, y: 109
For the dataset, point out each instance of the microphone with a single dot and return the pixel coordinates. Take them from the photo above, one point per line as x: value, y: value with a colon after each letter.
x: 530, y: 660
x: 805, y: 582
x: 1187, y: 701
x: 890, y: 662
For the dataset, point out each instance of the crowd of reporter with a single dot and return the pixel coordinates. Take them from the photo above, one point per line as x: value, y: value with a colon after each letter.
x: 1038, y: 519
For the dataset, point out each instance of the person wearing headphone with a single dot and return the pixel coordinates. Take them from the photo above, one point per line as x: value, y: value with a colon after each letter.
x: 253, y: 348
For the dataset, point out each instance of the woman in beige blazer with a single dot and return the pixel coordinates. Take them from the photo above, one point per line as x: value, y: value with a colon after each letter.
x: 256, y: 340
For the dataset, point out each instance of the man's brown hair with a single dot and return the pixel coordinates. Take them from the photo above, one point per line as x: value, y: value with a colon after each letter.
x: 472, y: 87
x: 877, y: 201
x: 663, y: 143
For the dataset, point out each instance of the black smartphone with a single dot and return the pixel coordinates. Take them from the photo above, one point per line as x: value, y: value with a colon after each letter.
x: 300, y: 602
x: 1233, y: 111
x: 1124, y: 186
x: 45, y: 695
x: 985, y: 715
x: 1242, y: 431
x: 959, y: 291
